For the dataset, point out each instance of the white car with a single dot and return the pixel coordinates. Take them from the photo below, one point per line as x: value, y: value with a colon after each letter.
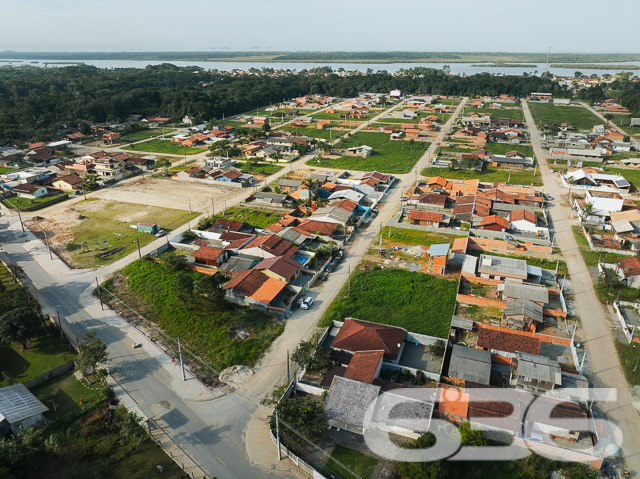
x: 308, y: 300
x: 137, y: 345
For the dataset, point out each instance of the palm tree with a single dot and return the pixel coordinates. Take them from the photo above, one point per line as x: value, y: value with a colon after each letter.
x: 310, y: 184
x: 587, y: 210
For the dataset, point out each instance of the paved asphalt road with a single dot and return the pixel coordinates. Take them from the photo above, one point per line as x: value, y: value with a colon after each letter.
x: 595, y: 319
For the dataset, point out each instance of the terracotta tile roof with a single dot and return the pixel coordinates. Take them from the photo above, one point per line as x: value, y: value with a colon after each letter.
x: 437, y: 181
x: 201, y: 242
x: 227, y: 225
x: 495, y: 220
x: 274, y: 245
x: 498, y: 194
x: 269, y: 290
x: 372, y: 182
x: 280, y: 265
x: 247, y: 282
x: 524, y: 215
x: 630, y: 266
x: 26, y: 188
x: 364, y: 366
x: 432, y: 199
x: 98, y: 155
x: 234, y: 236
x: 72, y: 179
x: 346, y: 205
x: 378, y: 176
x: 207, y: 252
x: 192, y: 171
x: 453, y: 402
x: 358, y: 335
x: 460, y: 245
x: 287, y: 220
x: 425, y: 216
x: 505, y: 341
x: 318, y: 227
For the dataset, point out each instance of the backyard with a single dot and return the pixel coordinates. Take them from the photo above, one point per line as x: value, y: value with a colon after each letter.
x: 259, y: 169
x: 260, y: 218
x: 417, y: 302
x: 388, y: 156
x: 629, y: 355
x: 207, y: 325
x: 164, y: 146
x: 511, y: 113
x: 591, y: 257
x: 144, y: 134
x: 416, y: 237
x: 31, y: 203
x: 489, y: 174
x: 576, y: 116
x: 326, y: 134
x: 95, y: 232
x: 504, y: 148
x: 355, y: 461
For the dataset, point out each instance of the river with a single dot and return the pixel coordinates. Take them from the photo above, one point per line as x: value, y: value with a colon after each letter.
x: 456, y: 68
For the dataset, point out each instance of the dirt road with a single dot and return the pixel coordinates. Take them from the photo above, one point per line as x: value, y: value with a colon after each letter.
x: 595, y: 320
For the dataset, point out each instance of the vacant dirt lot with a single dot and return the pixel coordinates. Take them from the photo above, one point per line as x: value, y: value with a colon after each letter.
x: 168, y: 193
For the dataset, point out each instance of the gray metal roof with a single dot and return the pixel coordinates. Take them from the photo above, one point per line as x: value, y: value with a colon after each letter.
x: 348, y: 400
x: 441, y: 249
x: 469, y: 264
x: 517, y: 307
x: 240, y: 263
x: 462, y: 323
x: 18, y: 404
x: 503, y: 266
x: 290, y: 183
x: 334, y: 213
x: 540, y: 368
x: 292, y: 235
x: 526, y: 291
x: 470, y: 364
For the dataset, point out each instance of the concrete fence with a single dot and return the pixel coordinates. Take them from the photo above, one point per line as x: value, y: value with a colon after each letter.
x: 542, y: 337
x: 55, y: 373
x: 480, y: 301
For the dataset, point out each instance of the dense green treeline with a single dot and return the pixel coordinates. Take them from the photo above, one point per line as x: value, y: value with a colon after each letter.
x: 35, y: 100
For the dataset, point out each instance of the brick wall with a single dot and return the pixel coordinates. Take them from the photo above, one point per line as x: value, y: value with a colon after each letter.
x: 502, y: 247
x: 542, y: 337
x: 468, y: 299
x: 471, y: 278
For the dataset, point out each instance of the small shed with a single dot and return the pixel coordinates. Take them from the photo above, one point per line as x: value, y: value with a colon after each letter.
x: 18, y: 407
x: 147, y: 228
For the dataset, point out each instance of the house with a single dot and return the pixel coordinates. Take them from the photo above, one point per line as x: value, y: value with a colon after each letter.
x: 210, y: 256
x: 433, y: 200
x: 108, y: 168
x: 381, y: 177
x: 219, y: 162
x: 363, y: 151
x: 469, y: 364
x: 110, y: 138
x: 630, y: 269
x: 524, y: 314
x: 525, y: 220
x: 535, y: 373
x: 19, y: 409
x: 472, y: 208
x: 506, y: 344
x: 238, y: 264
x: 425, y: 218
x: 494, y: 223
x: 230, y: 225
x: 272, y: 199
x: 68, y: 183
x: 193, y: 172
x: 496, y: 267
x: 27, y: 190
x: 358, y: 335
x: 438, y: 255
x: 289, y: 185
x: 268, y: 246
x: 332, y: 214
x: 254, y: 288
x: 514, y: 161
x: 364, y: 366
x: 347, y: 403
x: 280, y: 267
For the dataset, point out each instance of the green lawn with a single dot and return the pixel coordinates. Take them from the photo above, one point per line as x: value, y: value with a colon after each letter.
x: 103, y: 218
x: 511, y: 113
x: 24, y: 203
x: 632, y: 175
x: 6, y: 169
x: 259, y: 169
x: 504, y: 148
x: 489, y: 174
x: 624, y: 122
x: 144, y: 134
x: 339, y: 115
x: 235, y: 124
x: 355, y: 462
x: 66, y: 394
x: 205, y: 324
x: 577, y: 116
x: 164, y: 146
x: 387, y: 156
x: 417, y: 302
x: 629, y: 355
x: 328, y: 134
x: 591, y: 257
x: 417, y: 237
x: 260, y: 218
x: 442, y: 118
x: 42, y: 355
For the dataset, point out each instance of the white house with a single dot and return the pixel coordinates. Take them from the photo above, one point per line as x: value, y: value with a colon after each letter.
x: 526, y: 221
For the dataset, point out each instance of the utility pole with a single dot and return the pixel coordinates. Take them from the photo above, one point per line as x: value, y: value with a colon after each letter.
x: 139, y: 253
x: 288, y: 370
x: 46, y: 240
x: 349, y: 281
x: 213, y: 211
x: 190, y: 206
x: 99, y: 294
x: 59, y: 324
x: 181, y: 363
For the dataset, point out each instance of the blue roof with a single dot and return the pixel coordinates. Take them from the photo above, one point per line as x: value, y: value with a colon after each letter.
x: 438, y: 249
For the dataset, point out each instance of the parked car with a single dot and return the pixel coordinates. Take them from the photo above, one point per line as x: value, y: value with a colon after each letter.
x: 136, y: 345
x: 161, y: 233
x: 330, y: 267
x: 551, y: 170
x: 308, y: 300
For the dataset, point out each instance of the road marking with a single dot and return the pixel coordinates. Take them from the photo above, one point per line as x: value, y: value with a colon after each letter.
x: 174, y: 417
x: 220, y: 460
x: 148, y: 391
x: 199, y: 440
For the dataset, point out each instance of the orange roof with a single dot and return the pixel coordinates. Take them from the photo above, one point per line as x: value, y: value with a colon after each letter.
x: 437, y: 181
x: 269, y: 290
x: 425, y: 216
x: 460, y: 245
x: 453, y: 402
x: 495, y: 219
x: 364, y: 366
x: 524, y: 215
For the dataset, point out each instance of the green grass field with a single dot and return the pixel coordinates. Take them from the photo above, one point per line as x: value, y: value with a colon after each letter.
x: 629, y: 355
x: 66, y: 393
x: 259, y: 169
x: 632, y: 175
x: 260, y: 218
x: 42, y: 355
x: 339, y: 115
x: 417, y: 302
x: 144, y: 134
x: 417, y: 237
x: 6, y: 169
x: 487, y: 175
x: 104, y: 218
x: 233, y: 123
x: 624, y: 123
x: 205, y: 325
x: 328, y: 134
x: 164, y: 146
x: 24, y: 203
x: 387, y: 157
x: 511, y: 113
x: 504, y: 148
x: 355, y: 461
x: 577, y: 116
x: 540, y: 262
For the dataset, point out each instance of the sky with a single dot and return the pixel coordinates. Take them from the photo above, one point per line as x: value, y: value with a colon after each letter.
x: 580, y: 26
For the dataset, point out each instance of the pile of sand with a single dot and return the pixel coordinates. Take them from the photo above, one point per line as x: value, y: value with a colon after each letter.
x: 236, y: 376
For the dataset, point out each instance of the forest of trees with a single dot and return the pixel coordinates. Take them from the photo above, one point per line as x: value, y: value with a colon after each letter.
x: 36, y: 100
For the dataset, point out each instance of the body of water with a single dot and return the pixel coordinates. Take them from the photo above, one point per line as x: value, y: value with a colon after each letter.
x: 457, y: 68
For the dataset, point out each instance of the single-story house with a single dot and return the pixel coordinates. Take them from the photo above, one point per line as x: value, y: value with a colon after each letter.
x: 469, y: 364
x: 280, y: 267
x: 426, y: 218
x: 27, y: 190
x: 19, y: 408
x: 70, y: 182
x: 630, y: 268
x: 210, y: 256
x: 494, y: 223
